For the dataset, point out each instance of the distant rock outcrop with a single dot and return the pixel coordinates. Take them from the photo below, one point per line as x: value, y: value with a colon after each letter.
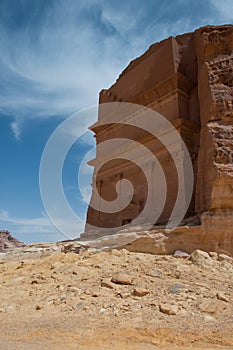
x: 7, y: 242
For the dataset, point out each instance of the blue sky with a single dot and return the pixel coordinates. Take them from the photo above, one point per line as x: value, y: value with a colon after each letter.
x: 55, y: 57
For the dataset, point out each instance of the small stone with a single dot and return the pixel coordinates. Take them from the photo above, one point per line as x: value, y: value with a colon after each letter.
x: 116, y: 252
x: 122, y: 278
x: 102, y: 310
x: 176, y: 289
x: 80, y: 304
x: 209, y: 306
x: 181, y: 254
x: 222, y: 297
x: 19, y: 278
x: 209, y: 318
x: 20, y: 266
x: 200, y: 253
x: 183, y: 312
x: 140, y: 292
x: 51, y: 299
x: 191, y: 297
x: 177, y: 275
x: 224, y: 257
x: 92, y: 250
x: 213, y: 255
x: 125, y: 307
x: 74, y: 289
x: 66, y: 248
x: 61, y: 288
x: 125, y: 251
x: 168, y: 309
x: 38, y: 307
x: 154, y: 273
x: 123, y: 295
x: 183, y: 269
x: 107, y: 284
x: 200, y: 257
x: 108, y: 305
x: 88, y: 291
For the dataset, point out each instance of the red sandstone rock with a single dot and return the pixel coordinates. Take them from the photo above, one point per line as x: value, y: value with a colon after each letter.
x: 189, y: 80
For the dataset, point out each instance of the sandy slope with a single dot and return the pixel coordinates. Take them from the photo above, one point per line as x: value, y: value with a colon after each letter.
x: 58, y: 302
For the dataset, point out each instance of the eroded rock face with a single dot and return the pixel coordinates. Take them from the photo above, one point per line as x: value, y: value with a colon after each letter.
x: 189, y: 80
x: 7, y: 242
x: 214, y: 46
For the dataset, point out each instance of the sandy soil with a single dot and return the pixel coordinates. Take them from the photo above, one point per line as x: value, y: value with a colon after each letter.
x: 67, y: 301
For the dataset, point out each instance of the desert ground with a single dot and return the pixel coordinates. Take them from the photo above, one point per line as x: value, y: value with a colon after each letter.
x: 115, y: 300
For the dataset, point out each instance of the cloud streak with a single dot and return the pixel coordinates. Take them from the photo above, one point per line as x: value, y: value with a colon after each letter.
x: 29, y: 228
x: 57, y: 55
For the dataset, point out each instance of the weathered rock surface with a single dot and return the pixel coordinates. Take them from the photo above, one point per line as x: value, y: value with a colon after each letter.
x: 188, y: 79
x: 8, y: 242
x: 159, y: 241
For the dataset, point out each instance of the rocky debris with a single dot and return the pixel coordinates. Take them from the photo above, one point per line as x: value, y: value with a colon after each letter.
x: 140, y: 292
x: 122, y: 278
x: 46, y: 286
x: 73, y: 289
x: 222, y: 297
x: 199, y: 257
x: 107, y: 283
x: 168, y: 309
x: 31, y: 251
x: 73, y: 247
x: 8, y: 242
x: 210, y: 306
x: 158, y: 241
x: 224, y: 257
x: 181, y: 254
x: 154, y: 273
x: 177, y: 289
x: 213, y: 255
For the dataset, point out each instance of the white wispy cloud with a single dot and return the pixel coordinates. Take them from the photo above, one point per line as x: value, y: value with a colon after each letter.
x: 27, y: 226
x: 59, y: 73
x: 225, y: 10
x: 58, y: 61
x: 16, y: 129
x: 33, y: 229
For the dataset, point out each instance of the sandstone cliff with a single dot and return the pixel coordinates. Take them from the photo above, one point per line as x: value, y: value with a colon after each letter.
x: 189, y: 80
